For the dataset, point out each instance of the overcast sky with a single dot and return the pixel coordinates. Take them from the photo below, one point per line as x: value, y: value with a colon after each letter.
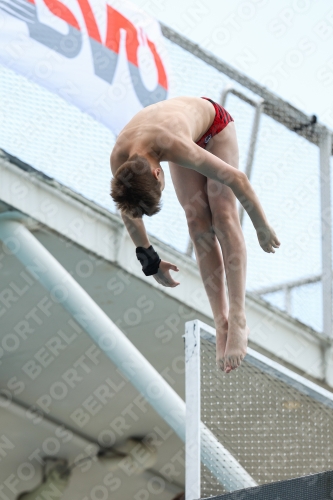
x: 286, y: 45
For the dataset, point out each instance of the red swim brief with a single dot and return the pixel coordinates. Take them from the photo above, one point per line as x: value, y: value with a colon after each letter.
x: 221, y: 120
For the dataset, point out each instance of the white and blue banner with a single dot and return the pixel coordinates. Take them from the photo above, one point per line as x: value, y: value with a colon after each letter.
x: 105, y: 57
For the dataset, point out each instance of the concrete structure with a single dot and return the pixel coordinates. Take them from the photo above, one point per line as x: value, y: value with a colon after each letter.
x: 50, y: 365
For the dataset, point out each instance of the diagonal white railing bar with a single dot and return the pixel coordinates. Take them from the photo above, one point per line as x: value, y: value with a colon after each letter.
x: 115, y: 345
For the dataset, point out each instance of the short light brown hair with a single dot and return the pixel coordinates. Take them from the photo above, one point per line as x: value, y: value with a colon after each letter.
x: 135, y: 190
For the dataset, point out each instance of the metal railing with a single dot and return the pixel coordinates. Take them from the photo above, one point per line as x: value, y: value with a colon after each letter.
x: 305, y: 126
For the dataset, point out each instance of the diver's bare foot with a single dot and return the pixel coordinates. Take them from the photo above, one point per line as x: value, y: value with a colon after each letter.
x: 235, y: 351
x: 221, y: 342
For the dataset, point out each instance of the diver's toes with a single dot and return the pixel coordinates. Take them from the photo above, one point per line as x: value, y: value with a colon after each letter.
x: 220, y: 364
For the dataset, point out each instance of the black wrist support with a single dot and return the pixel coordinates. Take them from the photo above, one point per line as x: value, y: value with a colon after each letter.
x: 149, y: 259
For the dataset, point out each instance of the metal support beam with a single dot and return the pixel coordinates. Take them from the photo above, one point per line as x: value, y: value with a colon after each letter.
x: 288, y: 284
x: 193, y: 411
x: 189, y: 249
x: 258, y: 105
x: 287, y: 300
x: 252, y: 147
x: 326, y: 229
x: 109, y: 338
x: 224, y: 94
x: 198, y: 443
x: 116, y: 346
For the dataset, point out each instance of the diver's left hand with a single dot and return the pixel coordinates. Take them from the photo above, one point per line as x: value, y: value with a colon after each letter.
x: 163, y: 276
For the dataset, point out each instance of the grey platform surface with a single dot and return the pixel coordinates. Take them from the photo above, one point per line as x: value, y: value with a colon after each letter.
x: 312, y: 487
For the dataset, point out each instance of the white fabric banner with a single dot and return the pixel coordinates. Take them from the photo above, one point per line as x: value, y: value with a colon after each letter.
x: 106, y: 57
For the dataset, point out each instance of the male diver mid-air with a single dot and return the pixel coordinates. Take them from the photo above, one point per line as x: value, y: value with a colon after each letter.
x: 198, y: 138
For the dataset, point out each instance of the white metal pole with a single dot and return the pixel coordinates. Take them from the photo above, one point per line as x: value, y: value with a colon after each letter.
x: 252, y: 147
x: 110, y: 339
x: 95, y: 322
x: 193, y: 411
x: 203, y: 446
x: 224, y: 94
x: 326, y: 229
x: 258, y: 105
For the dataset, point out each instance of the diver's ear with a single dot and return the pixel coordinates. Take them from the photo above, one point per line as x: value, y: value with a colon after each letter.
x: 157, y: 172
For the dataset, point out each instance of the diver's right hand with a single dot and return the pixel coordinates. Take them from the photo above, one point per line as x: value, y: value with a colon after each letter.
x: 267, y: 238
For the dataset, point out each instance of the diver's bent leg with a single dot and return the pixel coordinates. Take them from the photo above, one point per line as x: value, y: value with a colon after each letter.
x: 210, y: 263
x: 191, y: 190
x: 222, y: 202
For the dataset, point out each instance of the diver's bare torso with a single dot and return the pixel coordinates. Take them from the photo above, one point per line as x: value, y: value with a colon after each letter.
x: 157, y: 128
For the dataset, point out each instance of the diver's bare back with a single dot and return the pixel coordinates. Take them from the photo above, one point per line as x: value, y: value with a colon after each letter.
x: 151, y: 130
